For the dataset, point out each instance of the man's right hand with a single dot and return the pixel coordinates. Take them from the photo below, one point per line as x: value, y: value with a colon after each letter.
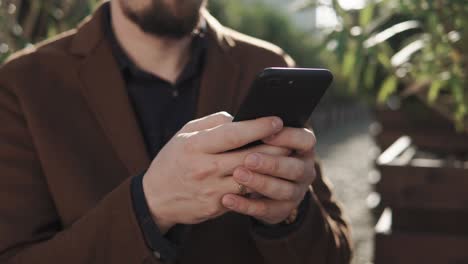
x: 187, y: 180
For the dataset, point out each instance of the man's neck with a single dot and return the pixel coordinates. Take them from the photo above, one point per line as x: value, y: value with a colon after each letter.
x: 163, y: 57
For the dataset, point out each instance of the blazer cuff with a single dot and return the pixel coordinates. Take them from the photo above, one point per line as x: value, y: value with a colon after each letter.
x: 308, y: 241
x: 163, y: 249
x: 281, y: 230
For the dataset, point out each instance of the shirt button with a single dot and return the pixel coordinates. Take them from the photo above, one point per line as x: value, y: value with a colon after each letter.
x: 175, y: 93
x: 157, y: 254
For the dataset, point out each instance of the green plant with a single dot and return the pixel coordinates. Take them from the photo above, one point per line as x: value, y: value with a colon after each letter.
x: 265, y: 22
x: 360, y: 48
x: 23, y: 22
x: 436, y: 60
x: 421, y: 45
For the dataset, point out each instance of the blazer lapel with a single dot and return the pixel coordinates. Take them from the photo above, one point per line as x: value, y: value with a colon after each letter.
x: 221, y: 75
x: 104, y: 90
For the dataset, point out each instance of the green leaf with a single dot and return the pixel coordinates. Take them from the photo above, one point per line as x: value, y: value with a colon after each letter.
x: 349, y: 62
x: 369, y: 75
x: 52, y: 31
x: 391, y: 32
x: 365, y: 16
x: 434, y: 90
x: 404, y: 55
x: 460, y: 115
x: 355, y: 81
x: 342, y: 44
x: 384, y: 60
x: 388, y: 88
x: 457, y: 91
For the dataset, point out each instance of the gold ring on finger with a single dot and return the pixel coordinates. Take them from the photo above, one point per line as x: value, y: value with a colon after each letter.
x: 241, y: 189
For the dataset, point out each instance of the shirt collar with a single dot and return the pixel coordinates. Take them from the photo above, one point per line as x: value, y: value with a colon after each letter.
x: 125, y: 64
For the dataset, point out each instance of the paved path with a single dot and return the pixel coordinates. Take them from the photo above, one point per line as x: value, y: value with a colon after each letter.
x: 347, y: 153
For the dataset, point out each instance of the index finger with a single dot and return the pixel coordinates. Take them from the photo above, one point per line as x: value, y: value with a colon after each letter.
x: 299, y: 139
x: 238, y: 134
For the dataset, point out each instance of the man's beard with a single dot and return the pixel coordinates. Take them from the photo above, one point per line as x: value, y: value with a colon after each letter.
x: 159, y: 20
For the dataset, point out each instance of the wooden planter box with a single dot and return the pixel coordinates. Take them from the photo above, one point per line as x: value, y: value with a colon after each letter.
x: 394, y: 247
x: 421, y: 183
x: 447, y: 222
x: 427, y: 128
x: 425, y: 195
x: 427, y: 138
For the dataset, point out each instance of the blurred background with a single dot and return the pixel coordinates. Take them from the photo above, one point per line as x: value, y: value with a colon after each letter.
x: 392, y: 131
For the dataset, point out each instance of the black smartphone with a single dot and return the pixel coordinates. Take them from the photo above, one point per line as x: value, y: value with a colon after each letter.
x: 289, y: 93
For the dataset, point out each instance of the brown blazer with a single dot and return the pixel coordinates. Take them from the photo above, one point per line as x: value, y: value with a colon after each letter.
x: 69, y: 144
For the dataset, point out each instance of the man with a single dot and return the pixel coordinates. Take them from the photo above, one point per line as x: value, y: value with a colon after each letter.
x: 83, y: 115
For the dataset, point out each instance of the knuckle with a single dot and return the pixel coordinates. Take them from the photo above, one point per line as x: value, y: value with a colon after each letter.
x: 202, y: 172
x: 259, y: 183
x: 213, y: 166
x: 221, y: 118
x: 251, y: 209
x: 224, y: 117
x: 189, y: 145
x: 211, y: 211
x: 270, y: 164
x: 208, y: 192
x: 261, y: 210
x: 232, y: 137
x: 189, y: 125
x: 186, y: 127
x: 300, y: 171
x: 275, y: 166
x: 242, y: 206
x: 198, y: 175
x: 290, y: 193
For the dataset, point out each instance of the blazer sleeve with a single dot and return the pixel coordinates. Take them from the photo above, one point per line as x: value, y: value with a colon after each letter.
x: 323, y: 235
x: 30, y: 230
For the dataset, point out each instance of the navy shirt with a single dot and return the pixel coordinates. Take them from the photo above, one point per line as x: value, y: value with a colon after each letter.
x: 162, y: 108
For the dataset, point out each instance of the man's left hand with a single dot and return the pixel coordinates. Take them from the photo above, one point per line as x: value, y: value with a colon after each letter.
x: 282, y: 180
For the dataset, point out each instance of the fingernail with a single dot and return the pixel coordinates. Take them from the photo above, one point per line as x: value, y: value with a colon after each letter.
x: 252, y: 160
x: 242, y: 175
x: 277, y: 123
x: 229, y: 202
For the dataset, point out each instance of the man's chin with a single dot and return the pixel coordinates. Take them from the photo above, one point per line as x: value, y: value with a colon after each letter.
x: 166, y: 25
x: 167, y: 35
x: 171, y: 30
